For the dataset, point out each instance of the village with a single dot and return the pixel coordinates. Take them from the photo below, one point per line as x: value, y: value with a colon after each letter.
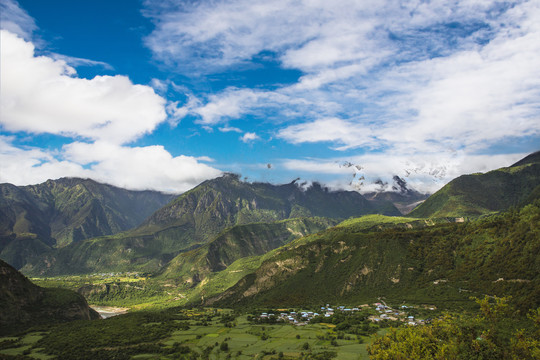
x: 378, y: 312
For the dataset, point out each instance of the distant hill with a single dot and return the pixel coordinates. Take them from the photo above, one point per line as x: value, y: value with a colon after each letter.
x: 59, y: 212
x: 479, y: 194
x: 23, y: 304
x: 197, y: 217
x: 226, y: 201
x: 439, y: 264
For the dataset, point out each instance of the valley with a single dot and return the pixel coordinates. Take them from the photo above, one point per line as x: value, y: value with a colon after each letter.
x: 269, y: 180
x: 232, y: 269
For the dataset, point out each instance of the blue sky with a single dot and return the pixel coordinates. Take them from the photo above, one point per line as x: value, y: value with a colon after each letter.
x: 163, y: 95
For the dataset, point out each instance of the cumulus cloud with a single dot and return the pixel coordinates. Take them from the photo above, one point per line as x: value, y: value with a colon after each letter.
x: 407, y: 79
x: 249, y: 137
x: 43, y: 95
x: 139, y: 168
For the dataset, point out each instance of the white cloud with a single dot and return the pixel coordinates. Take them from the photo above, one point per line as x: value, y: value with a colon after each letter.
x: 76, y: 61
x: 417, y: 81
x: 249, y: 137
x: 270, y: 106
x: 429, y: 76
x: 469, y: 99
x: 43, y: 95
x: 23, y: 166
x: 307, y: 35
x: 423, y: 171
x: 226, y: 129
x: 16, y: 20
x: 205, y: 159
x: 332, y: 130
x: 140, y: 167
x: 219, y: 34
x: 149, y: 167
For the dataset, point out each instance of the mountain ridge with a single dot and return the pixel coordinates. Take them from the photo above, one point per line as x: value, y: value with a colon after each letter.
x: 431, y: 264
x: 196, y: 217
x: 23, y: 304
x: 37, y: 218
x: 479, y: 194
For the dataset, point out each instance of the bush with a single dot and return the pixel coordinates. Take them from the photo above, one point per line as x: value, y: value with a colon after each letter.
x: 224, y: 346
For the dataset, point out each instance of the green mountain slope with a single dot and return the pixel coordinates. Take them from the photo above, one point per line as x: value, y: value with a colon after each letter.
x: 239, y: 242
x: 58, y: 212
x: 479, y: 194
x: 23, y: 304
x: 195, y: 218
x: 499, y: 255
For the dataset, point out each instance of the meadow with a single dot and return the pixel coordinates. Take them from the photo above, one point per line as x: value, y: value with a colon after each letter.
x: 191, y: 334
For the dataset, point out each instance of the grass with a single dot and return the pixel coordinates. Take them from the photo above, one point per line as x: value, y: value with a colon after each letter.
x: 246, y: 338
x: 200, y: 331
x: 24, y: 345
x: 368, y: 221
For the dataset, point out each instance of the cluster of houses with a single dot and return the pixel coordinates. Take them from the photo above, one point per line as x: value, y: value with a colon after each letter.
x: 300, y: 318
x: 303, y: 317
x: 384, y: 312
x: 112, y: 274
x: 387, y: 313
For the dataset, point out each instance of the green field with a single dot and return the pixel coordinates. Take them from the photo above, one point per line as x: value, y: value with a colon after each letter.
x: 196, y: 333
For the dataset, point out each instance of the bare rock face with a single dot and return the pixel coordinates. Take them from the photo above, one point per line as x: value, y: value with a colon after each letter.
x: 24, y: 304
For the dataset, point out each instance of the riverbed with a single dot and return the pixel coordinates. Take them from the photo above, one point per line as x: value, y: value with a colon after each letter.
x: 109, y: 311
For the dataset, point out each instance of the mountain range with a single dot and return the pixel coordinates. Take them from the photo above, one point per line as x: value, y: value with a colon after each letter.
x: 228, y: 242
x: 195, y: 218
x: 440, y: 258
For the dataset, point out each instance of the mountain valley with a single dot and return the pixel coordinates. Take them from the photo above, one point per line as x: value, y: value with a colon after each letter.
x: 231, y: 244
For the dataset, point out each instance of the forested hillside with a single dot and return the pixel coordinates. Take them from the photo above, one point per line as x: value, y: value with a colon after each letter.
x: 56, y: 213
x: 479, y: 194
x: 499, y: 255
x: 196, y: 218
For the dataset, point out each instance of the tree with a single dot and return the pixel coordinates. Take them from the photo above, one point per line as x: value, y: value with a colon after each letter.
x: 224, y: 346
x: 489, y: 335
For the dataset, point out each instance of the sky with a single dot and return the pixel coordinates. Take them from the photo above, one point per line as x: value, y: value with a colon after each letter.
x: 166, y: 94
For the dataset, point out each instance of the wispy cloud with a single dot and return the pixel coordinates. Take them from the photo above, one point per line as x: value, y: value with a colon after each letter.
x: 16, y: 20
x: 410, y: 84
x: 336, y: 131
x: 76, y: 62
x: 412, y: 78
x: 226, y: 129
